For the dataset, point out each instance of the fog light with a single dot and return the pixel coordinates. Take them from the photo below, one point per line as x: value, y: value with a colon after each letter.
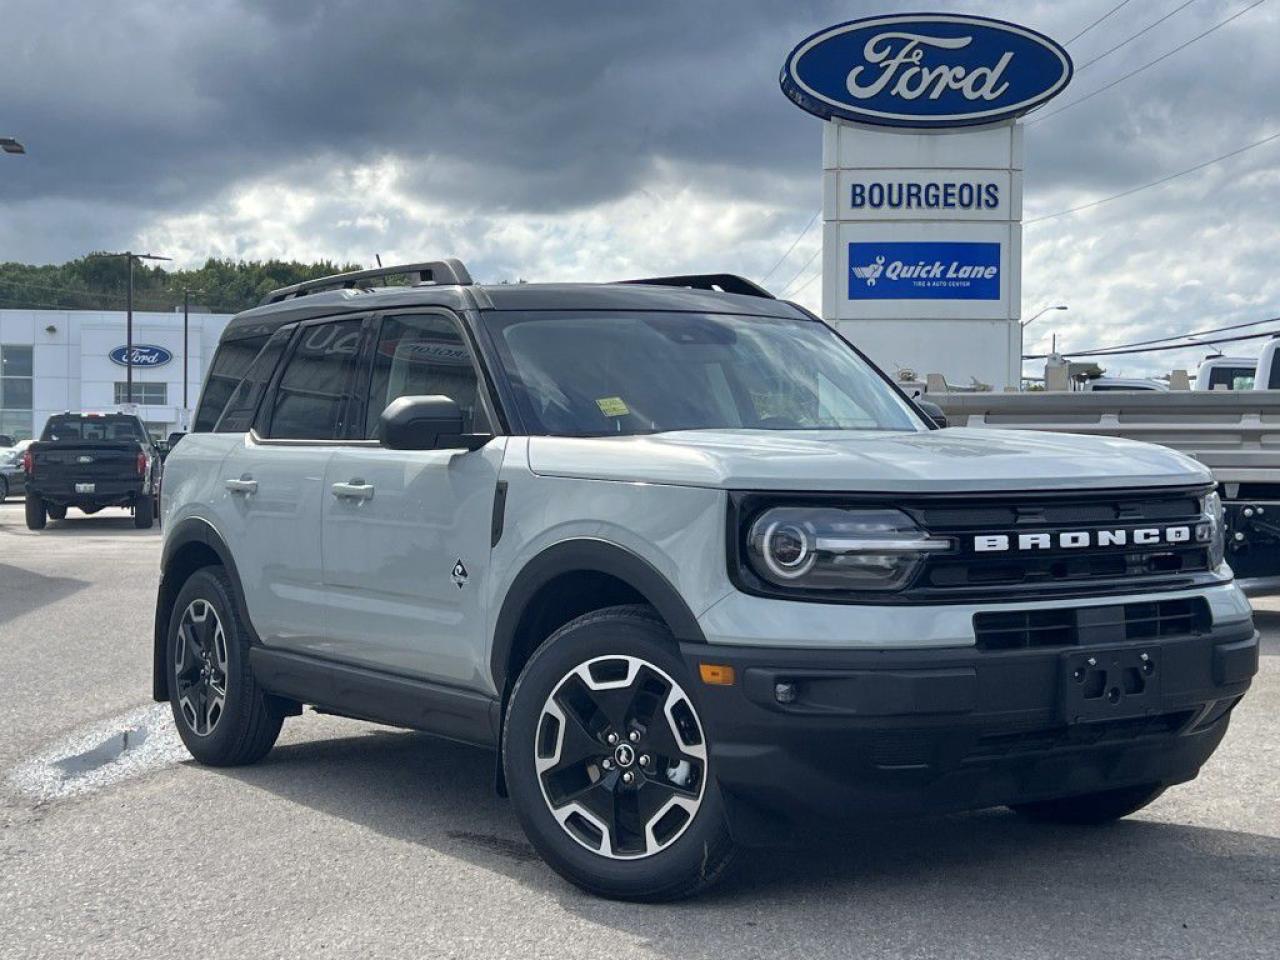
x: 784, y: 692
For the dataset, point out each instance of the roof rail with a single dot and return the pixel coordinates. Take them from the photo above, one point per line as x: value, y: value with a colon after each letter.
x: 450, y: 270
x: 724, y: 282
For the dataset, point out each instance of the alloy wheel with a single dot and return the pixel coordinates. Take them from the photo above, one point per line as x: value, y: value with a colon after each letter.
x: 200, y: 667
x: 620, y: 757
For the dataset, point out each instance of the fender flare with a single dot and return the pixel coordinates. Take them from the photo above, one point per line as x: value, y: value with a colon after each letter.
x: 587, y: 556
x: 188, y: 531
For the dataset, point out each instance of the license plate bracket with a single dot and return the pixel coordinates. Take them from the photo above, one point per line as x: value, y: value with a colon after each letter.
x: 1110, y: 684
x: 86, y: 487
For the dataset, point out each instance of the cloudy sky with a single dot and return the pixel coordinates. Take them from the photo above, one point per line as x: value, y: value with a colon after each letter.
x: 585, y: 141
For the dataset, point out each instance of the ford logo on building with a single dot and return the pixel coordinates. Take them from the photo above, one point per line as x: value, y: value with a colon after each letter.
x: 925, y: 70
x: 143, y: 355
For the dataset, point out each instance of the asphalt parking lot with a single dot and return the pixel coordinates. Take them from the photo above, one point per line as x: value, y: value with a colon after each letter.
x: 354, y: 840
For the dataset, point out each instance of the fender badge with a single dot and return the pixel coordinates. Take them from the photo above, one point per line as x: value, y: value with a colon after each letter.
x: 459, y: 575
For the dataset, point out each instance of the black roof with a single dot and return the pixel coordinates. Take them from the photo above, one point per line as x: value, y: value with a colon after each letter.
x: 631, y: 295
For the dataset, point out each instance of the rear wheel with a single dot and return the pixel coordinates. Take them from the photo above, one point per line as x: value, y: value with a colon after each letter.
x: 222, y: 714
x: 607, y: 762
x: 1091, y: 809
x: 4, y: 488
x: 144, y: 512
x: 35, y: 512
x: 56, y: 511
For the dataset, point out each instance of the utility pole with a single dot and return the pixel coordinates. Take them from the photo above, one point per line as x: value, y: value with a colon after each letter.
x: 130, y: 256
x: 186, y: 341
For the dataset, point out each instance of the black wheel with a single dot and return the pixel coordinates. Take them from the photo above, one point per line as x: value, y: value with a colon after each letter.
x: 1091, y: 809
x: 56, y: 511
x: 607, y: 763
x: 221, y: 712
x: 4, y: 488
x: 144, y: 512
x: 35, y: 513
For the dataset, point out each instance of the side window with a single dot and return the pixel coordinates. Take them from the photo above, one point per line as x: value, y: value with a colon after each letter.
x: 311, y: 397
x: 424, y: 355
x: 244, y: 402
x: 229, y: 366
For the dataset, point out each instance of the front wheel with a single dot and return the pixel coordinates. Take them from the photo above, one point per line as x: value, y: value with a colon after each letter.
x: 35, y: 512
x: 4, y: 488
x: 607, y: 761
x: 222, y: 714
x: 1091, y: 809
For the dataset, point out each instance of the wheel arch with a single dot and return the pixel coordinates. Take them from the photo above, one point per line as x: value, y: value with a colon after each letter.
x: 191, y: 545
x: 619, y: 575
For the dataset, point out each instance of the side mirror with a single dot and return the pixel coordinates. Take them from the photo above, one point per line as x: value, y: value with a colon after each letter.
x: 426, y: 423
x: 933, y: 412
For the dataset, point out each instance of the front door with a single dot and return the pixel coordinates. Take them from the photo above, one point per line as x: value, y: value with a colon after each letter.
x: 407, y: 533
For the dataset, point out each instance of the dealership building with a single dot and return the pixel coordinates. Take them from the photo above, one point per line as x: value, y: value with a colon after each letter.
x: 57, y: 360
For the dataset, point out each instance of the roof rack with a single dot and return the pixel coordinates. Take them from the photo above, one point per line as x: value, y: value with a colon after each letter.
x: 723, y: 282
x: 450, y: 270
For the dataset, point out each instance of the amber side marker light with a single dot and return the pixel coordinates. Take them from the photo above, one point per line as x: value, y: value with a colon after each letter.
x: 716, y: 674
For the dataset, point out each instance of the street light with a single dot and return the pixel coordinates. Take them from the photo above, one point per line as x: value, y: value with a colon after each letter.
x: 128, y: 350
x: 11, y: 145
x: 1043, y: 312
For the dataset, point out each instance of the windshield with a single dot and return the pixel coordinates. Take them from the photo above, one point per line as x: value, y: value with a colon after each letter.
x: 584, y: 374
x: 93, y: 428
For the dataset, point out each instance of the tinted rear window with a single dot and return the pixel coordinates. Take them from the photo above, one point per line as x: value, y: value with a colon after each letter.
x: 230, y: 364
x: 109, y: 427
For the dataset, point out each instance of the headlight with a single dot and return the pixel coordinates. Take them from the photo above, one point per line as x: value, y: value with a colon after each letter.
x: 1213, y: 529
x: 827, y: 548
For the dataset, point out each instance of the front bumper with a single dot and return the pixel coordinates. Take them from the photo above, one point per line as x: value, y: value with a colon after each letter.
x: 918, y: 731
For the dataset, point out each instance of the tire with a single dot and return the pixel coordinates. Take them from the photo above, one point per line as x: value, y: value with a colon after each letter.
x: 35, y: 512
x: 56, y: 511
x: 4, y: 489
x: 144, y: 512
x: 242, y: 729
x: 671, y: 840
x: 1091, y: 809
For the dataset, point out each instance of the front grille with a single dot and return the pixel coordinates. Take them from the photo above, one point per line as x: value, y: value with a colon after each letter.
x: 1059, y: 569
x: 1082, y: 626
x: 997, y: 745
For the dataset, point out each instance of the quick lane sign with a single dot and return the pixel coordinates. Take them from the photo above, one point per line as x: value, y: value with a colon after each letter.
x: 924, y: 271
x: 925, y: 70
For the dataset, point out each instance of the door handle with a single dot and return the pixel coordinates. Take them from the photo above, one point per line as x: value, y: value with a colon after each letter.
x: 355, y: 490
x: 243, y: 485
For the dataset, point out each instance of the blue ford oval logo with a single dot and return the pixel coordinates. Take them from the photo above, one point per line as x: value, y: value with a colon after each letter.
x: 925, y: 70
x: 143, y: 355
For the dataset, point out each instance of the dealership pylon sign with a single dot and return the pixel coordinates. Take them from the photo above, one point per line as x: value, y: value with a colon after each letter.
x: 922, y: 183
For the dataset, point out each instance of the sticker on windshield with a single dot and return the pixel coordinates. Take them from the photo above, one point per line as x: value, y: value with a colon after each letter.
x: 612, y: 407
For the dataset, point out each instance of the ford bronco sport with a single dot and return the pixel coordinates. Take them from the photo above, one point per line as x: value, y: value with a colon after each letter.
x: 689, y: 563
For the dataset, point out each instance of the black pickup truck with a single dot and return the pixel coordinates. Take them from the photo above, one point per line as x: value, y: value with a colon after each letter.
x: 90, y: 461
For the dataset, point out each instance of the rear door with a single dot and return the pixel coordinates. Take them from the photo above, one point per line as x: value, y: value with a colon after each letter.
x: 407, y: 533
x: 273, y: 482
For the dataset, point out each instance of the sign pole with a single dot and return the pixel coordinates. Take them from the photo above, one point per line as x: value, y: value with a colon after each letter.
x: 128, y: 339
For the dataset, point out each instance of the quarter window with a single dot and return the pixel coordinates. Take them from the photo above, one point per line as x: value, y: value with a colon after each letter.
x: 424, y: 355
x: 229, y: 367
x: 244, y: 402
x: 312, y: 396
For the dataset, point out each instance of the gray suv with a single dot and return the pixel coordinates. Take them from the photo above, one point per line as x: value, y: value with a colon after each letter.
x: 687, y: 562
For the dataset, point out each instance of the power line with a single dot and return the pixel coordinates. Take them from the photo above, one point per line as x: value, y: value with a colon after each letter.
x: 1153, y: 183
x: 804, y: 286
x: 1147, y: 29
x: 1095, y: 23
x: 1180, y: 336
x: 1145, y: 66
x: 792, y: 247
x: 800, y: 271
x: 1172, y: 346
